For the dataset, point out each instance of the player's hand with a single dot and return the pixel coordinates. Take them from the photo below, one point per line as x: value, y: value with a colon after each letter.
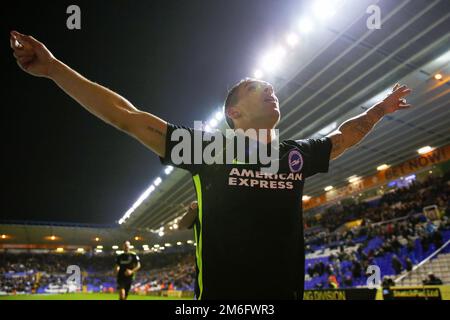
x: 193, y: 205
x: 31, y: 55
x: 128, y: 272
x: 396, y: 99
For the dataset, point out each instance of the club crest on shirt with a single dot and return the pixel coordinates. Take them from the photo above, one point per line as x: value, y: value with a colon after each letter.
x: 295, y: 161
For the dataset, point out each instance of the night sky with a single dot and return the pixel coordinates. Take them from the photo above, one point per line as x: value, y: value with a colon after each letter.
x: 175, y: 59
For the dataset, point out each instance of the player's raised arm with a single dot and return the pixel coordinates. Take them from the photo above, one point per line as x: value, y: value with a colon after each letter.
x: 352, y: 131
x: 34, y: 58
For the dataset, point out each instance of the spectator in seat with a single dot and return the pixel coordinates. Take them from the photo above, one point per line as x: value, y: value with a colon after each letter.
x: 396, y: 264
x: 432, y: 280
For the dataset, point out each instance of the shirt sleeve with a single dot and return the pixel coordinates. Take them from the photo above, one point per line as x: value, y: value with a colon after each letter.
x: 317, y: 155
x: 181, y: 146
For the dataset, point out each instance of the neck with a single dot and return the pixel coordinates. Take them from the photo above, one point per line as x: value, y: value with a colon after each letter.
x: 262, y: 135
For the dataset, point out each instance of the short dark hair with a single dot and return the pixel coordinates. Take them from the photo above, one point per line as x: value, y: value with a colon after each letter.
x: 232, y: 99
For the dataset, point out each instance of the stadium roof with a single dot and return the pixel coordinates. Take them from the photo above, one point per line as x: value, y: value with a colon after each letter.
x: 339, y: 71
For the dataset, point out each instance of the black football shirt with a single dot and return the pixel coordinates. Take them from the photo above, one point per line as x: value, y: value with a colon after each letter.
x: 249, y: 229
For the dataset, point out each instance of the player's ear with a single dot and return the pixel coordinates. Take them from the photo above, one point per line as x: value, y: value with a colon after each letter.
x: 233, y: 112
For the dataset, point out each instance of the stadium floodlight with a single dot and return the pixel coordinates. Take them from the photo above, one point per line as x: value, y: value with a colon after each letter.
x: 175, y: 226
x: 97, y: 239
x: 179, y: 243
x: 3, y: 236
x: 279, y: 53
x: 382, y: 167
x: 190, y: 242
x: 98, y: 250
x: 328, y: 188
x: 161, y: 233
x: 156, y: 245
x: 168, y: 170
x: 272, y: 60
x: 219, y: 115
x: 167, y: 245
x: 195, y: 244
x: 213, y: 123
x: 292, y: 39
x: 81, y: 250
x: 305, y: 25
x: 157, y: 181
x: 258, y: 74
x: 115, y: 247
x: 59, y: 249
x: 52, y: 238
x: 354, y: 179
x: 119, y: 252
x: 425, y: 150
x: 324, y: 9
x: 99, y: 247
x: 306, y: 198
x: 438, y: 76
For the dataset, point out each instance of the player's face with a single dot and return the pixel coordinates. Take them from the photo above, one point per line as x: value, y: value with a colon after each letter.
x: 126, y: 246
x: 258, y: 103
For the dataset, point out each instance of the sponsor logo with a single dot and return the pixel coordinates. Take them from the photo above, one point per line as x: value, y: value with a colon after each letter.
x: 295, y: 161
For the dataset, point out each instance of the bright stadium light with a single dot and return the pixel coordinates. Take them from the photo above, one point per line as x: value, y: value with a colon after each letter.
x: 98, y: 250
x: 115, y: 247
x: 353, y: 179
x: 157, y: 181
x: 328, y: 188
x: 279, y: 53
x: 438, y: 76
x: 167, y: 245
x: 119, y: 252
x: 59, y: 249
x: 213, y: 123
x: 99, y: 247
x: 179, y: 243
x: 156, y: 245
x: 80, y: 250
x: 306, y: 198
x: 292, y: 39
x: 425, y: 150
x: 272, y: 60
x: 219, y: 116
x: 324, y: 9
x: 305, y: 25
x: 382, y: 167
x: 161, y: 233
x: 190, y: 242
x: 168, y: 170
x: 258, y: 74
x: 175, y: 226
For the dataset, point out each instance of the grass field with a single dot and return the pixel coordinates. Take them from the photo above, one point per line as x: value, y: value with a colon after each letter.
x: 84, y: 296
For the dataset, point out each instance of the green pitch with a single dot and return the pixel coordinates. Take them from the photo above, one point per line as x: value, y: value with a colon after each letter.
x: 84, y: 296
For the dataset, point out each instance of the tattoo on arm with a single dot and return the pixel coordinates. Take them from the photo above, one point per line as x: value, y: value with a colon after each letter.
x: 156, y: 131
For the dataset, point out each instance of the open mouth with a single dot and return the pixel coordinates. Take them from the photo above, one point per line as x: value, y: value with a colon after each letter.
x: 270, y: 99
